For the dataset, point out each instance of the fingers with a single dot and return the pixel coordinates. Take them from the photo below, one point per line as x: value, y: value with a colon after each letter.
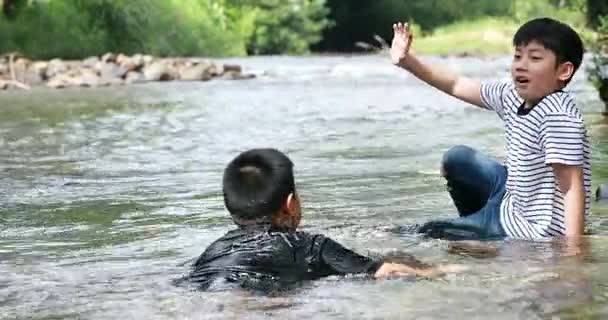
x: 402, y: 28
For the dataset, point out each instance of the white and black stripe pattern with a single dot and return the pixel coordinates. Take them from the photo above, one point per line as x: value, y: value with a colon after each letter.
x: 552, y: 132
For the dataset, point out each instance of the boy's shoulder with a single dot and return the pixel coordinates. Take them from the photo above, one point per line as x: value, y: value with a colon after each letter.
x: 559, y: 103
x: 259, y: 237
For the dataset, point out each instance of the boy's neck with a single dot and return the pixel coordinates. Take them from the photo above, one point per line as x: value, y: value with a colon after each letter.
x: 529, y: 104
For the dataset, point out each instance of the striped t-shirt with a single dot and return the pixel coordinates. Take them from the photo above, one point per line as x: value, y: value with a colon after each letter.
x: 552, y: 131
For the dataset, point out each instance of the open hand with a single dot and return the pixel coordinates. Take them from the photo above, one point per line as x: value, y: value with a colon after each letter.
x: 402, y: 40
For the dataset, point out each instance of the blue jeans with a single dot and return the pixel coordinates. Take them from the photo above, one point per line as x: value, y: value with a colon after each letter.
x: 476, y: 184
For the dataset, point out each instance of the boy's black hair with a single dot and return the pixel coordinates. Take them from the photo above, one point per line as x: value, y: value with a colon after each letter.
x: 256, y: 184
x: 555, y: 36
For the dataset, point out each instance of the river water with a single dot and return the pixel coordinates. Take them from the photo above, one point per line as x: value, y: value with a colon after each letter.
x: 106, y: 195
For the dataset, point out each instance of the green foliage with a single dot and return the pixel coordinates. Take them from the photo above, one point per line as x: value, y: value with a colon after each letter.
x: 12, y: 8
x: 595, y: 10
x: 283, y: 26
x: 361, y: 20
x: 570, y: 11
x: 79, y: 28
x: 479, y: 37
x: 598, y: 73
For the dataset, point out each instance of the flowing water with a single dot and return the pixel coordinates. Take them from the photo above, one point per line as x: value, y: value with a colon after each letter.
x: 106, y: 195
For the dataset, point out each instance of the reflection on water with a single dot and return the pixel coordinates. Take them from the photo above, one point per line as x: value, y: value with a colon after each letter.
x: 106, y: 195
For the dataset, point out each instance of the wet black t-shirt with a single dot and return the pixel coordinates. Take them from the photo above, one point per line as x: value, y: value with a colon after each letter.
x: 269, y: 259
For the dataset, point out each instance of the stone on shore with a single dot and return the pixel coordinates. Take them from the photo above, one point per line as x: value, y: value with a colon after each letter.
x: 198, y: 72
x: 134, y: 77
x: 110, y: 70
x: 55, y: 67
x: 113, y: 69
x: 90, y: 62
x: 157, y: 71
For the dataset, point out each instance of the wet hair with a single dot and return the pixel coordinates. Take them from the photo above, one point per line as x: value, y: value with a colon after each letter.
x: 554, y: 35
x: 256, y: 184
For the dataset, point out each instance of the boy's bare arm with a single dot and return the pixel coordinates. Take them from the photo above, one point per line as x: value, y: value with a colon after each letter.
x: 466, y: 89
x: 389, y: 269
x: 571, y: 183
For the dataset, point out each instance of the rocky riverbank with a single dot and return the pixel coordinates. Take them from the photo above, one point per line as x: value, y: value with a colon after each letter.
x: 109, y: 69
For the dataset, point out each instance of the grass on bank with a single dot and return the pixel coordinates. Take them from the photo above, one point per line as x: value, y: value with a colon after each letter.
x: 487, y: 36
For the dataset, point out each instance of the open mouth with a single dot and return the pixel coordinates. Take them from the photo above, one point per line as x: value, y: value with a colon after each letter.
x: 521, y: 80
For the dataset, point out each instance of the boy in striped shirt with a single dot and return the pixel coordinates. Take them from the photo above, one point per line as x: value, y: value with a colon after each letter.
x: 543, y: 190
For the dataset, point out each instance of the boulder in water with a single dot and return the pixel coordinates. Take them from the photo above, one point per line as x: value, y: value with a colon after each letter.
x: 133, y: 63
x: 3, y: 68
x: 108, y: 57
x: 20, y: 68
x: 88, y: 78
x: 55, y: 67
x: 134, y: 77
x: 234, y: 75
x: 194, y: 72
x: 110, y: 70
x: 90, y: 62
x: 36, y: 73
x: 59, y: 81
x: 157, y: 71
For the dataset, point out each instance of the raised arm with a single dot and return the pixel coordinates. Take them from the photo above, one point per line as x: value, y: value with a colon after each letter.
x: 463, y: 88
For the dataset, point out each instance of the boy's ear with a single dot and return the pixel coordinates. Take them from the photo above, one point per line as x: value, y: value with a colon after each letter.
x: 565, y: 71
x: 292, y: 204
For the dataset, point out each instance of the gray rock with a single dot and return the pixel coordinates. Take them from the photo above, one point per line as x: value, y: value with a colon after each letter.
x: 40, y: 68
x: 3, y: 85
x: 20, y: 69
x: 59, y: 81
x: 147, y: 59
x: 235, y: 75
x: 55, y: 67
x: 194, y: 73
x: 89, y: 78
x: 232, y: 68
x: 90, y: 62
x: 158, y: 71
x: 120, y: 58
x: 108, y: 57
x: 35, y: 74
x: 134, y: 63
x: 138, y: 60
x: 110, y: 70
x: 134, y: 77
x: 216, y: 70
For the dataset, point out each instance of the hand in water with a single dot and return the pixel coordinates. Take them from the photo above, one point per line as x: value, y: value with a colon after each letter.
x: 388, y: 270
x: 402, y: 39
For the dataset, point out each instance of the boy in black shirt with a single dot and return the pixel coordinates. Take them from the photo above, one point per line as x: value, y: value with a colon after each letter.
x: 265, y: 251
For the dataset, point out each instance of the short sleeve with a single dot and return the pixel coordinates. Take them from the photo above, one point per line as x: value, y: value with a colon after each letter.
x: 492, y: 96
x: 562, y: 139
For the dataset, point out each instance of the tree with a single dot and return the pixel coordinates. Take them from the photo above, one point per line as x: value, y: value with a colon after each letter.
x: 597, y: 16
x: 10, y: 8
x: 596, y: 9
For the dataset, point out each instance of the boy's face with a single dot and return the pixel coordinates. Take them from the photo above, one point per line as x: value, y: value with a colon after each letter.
x: 535, y: 72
